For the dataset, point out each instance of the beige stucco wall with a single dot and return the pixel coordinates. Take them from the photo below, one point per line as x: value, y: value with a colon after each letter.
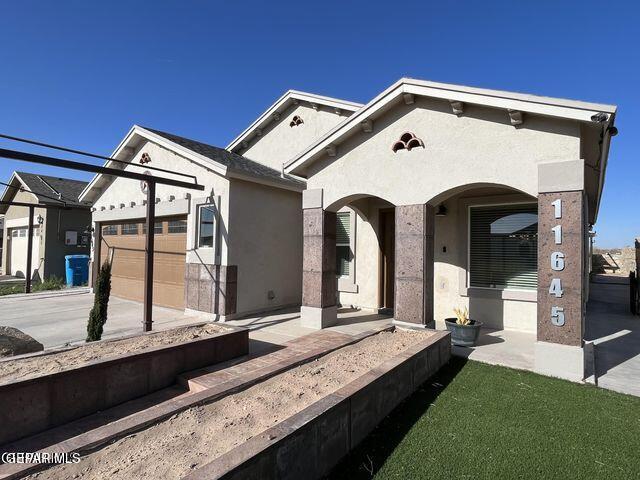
x: 279, y: 142
x: 265, y: 242
x: 479, y: 147
x: 366, y: 263
x: 125, y: 191
x: 12, y: 215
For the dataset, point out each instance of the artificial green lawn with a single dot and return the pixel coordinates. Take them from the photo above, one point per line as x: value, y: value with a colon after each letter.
x: 474, y: 420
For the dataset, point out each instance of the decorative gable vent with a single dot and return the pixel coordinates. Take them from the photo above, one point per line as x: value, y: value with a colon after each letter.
x: 295, y: 121
x: 407, y: 141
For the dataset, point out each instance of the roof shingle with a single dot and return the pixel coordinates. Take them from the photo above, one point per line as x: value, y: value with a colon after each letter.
x: 44, y: 187
x: 231, y: 160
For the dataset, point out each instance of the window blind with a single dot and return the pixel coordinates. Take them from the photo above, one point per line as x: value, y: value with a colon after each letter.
x: 503, y: 246
x: 343, y: 243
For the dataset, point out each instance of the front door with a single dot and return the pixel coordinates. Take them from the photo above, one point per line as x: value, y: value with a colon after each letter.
x: 387, y: 255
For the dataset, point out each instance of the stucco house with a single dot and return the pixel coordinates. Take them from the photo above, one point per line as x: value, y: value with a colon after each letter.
x: 232, y: 250
x: 429, y: 197
x: 56, y: 232
x: 434, y: 196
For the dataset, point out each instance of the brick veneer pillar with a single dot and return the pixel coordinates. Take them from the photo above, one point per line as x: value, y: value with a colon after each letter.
x: 561, y: 305
x: 319, y: 282
x: 571, y: 276
x: 414, y: 265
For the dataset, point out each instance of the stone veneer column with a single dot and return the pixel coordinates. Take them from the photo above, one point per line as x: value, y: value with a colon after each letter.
x: 211, y: 288
x: 561, y: 271
x: 319, y: 281
x: 414, y: 265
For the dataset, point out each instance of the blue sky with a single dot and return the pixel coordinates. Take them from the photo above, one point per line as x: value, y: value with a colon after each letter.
x: 80, y: 73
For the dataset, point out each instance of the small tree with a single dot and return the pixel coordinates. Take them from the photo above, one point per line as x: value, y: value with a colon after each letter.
x: 98, y: 314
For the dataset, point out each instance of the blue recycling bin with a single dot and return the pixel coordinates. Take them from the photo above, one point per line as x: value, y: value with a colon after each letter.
x: 77, y: 269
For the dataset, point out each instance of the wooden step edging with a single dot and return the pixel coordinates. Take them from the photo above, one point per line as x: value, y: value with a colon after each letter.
x: 326, y: 431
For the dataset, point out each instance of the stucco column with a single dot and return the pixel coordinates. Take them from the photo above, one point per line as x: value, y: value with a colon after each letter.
x: 562, y: 236
x: 414, y: 265
x: 319, y: 281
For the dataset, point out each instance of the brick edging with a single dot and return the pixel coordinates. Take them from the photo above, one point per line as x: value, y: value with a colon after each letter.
x: 132, y: 423
x: 324, y: 432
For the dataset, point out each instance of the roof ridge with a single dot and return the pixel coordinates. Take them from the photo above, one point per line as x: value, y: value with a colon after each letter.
x: 50, y: 187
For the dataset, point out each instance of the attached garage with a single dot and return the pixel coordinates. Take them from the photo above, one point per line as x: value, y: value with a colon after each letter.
x: 124, y: 244
x: 18, y: 251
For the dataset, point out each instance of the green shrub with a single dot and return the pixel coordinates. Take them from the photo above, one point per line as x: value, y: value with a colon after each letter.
x: 98, y: 314
x: 51, y: 283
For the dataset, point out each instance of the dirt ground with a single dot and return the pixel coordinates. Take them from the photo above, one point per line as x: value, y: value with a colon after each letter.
x: 45, y: 364
x: 187, y: 440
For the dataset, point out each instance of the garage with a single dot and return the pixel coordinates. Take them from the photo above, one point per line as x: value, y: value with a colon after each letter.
x: 124, y: 244
x: 18, y: 251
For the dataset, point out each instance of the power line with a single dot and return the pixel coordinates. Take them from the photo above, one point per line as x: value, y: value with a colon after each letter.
x: 93, y: 155
x: 22, y: 189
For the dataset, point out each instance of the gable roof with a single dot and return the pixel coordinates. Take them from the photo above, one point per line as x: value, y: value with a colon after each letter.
x: 290, y: 97
x: 554, y: 107
x: 217, y: 159
x: 45, y: 188
x: 234, y: 162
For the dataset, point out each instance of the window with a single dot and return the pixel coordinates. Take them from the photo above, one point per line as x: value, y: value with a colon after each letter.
x: 206, y: 231
x: 23, y: 232
x: 503, y: 246
x: 14, y: 233
x: 177, y: 226
x: 343, y: 244
x: 129, y: 229
x: 110, y: 230
x: 157, y: 228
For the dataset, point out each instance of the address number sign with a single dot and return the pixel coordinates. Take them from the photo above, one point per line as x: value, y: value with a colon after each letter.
x: 557, y: 265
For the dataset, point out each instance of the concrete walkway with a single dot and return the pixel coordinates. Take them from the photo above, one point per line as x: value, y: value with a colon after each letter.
x: 57, y: 318
x: 499, y: 347
x: 284, y: 325
x: 615, y: 334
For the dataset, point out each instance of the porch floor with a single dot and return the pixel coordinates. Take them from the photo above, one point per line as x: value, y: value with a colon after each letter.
x: 509, y: 348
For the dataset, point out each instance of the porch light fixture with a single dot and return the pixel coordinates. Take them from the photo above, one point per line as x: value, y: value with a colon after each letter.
x: 441, y: 211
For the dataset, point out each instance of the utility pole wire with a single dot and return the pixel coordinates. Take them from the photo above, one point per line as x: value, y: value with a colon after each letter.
x: 93, y: 155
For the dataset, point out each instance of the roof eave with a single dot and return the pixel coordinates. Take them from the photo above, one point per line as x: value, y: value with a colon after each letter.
x: 287, y: 97
x: 561, y: 108
x: 162, y: 141
x: 266, y: 181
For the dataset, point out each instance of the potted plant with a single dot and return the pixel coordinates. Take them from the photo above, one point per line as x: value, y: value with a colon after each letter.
x: 464, y: 331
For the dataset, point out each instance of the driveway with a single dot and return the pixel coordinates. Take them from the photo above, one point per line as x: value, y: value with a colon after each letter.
x: 54, y: 318
x: 615, y: 334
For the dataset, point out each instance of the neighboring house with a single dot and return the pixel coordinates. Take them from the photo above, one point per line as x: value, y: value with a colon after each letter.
x: 434, y: 196
x: 235, y: 248
x: 56, y: 232
x: 1, y: 241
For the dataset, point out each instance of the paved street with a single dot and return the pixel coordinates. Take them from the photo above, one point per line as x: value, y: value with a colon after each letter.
x: 54, y: 319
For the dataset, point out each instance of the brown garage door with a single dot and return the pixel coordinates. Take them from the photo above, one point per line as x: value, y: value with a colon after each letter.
x: 124, y: 243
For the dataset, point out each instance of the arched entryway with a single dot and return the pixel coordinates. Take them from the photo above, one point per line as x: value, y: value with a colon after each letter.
x: 365, y: 253
x: 349, y: 258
